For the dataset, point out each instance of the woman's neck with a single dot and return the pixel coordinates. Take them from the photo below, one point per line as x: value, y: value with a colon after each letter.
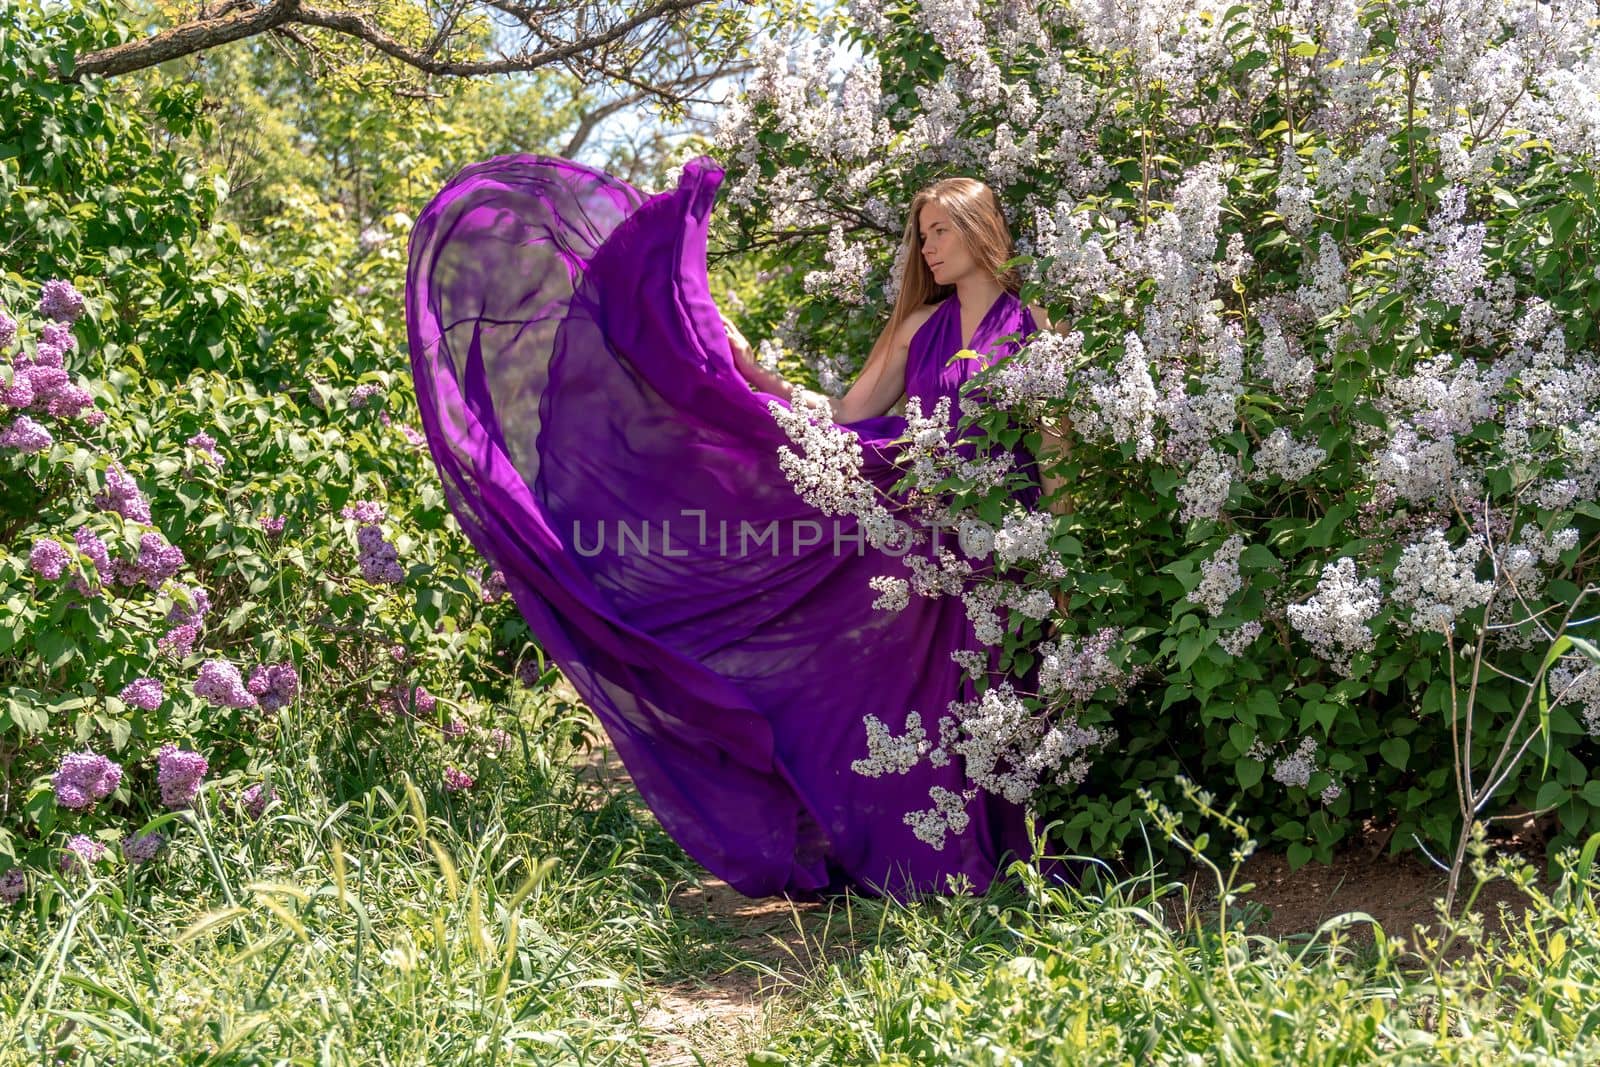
x: 978, y: 290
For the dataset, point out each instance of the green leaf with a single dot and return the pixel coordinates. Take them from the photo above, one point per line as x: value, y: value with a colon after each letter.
x: 1248, y: 772
x: 1395, y: 751
x: 1550, y: 794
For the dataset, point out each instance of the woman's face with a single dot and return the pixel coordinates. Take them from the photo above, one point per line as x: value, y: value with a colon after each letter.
x: 943, y: 249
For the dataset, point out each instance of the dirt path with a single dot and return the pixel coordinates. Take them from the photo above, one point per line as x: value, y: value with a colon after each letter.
x: 771, y: 946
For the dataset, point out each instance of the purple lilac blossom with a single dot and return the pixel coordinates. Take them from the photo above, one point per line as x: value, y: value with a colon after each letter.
x: 142, y: 848
x: 362, y: 394
x: 255, y: 798
x: 82, y: 851
x: 69, y: 401
x: 83, y: 778
x: 92, y: 545
x: 58, y: 335
x: 363, y: 511
x: 456, y: 780
x: 19, y: 394
x: 418, y: 701
x: 8, y: 330
x: 179, y: 640
x: 219, y: 683
x: 179, y: 773
x: 273, y: 525
x: 158, y: 559
x: 207, y: 444
x: 143, y: 693
x: 122, y: 495
x: 500, y: 741
x: 59, y: 300
x: 193, y: 615
x: 49, y: 355
x: 12, y: 885
x: 25, y: 435
x: 274, y: 685
x: 379, y: 560
x: 48, y: 559
x: 455, y: 728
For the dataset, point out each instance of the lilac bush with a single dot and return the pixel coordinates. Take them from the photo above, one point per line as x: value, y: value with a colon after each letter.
x: 1324, y: 354
x: 170, y: 398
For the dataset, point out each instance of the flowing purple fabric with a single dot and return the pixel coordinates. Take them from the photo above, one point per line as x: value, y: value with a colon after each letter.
x: 598, y: 445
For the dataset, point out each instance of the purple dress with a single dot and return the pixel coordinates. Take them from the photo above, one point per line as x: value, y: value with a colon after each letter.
x: 597, y: 444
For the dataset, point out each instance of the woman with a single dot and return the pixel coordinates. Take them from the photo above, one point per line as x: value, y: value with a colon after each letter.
x: 599, y: 444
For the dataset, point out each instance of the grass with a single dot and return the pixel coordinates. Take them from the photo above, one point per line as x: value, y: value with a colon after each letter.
x: 368, y: 919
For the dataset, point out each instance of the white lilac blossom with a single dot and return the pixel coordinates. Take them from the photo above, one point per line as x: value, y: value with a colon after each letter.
x: 1281, y: 456
x: 893, y: 593
x: 1442, y: 398
x: 888, y: 754
x: 1455, y: 267
x: 1235, y: 641
x: 1437, y: 582
x: 948, y: 815
x: 825, y: 470
x: 1219, y: 577
x: 1334, y: 619
x: 1076, y: 670
x: 1023, y: 535
x: 1419, y: 469
x: 1295, y: 195
x: 975, y: 537
x: 1007, y: 749
x: 1326, y: 290
x: 1039, y: 373
x: 1205, y: 486
x: 1120, y: 405
x: 1295, y: 769
x: 1284, y: 368
x: 848, y: 267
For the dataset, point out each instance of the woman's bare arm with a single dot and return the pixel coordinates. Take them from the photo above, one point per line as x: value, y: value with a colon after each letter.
x: 867, y: 396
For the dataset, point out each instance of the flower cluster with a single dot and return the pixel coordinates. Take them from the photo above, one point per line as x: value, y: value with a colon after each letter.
x: 179, y: 773
x: 254, y: 798
x: 274, y: 685
x: 82, y: 852
x: 219, y: 683
x: 379, y: 559
x: 204, y: 442
x: 1334, y: 619
x: 143, y: 693
x: 83, y: 778
x: 142, y: 848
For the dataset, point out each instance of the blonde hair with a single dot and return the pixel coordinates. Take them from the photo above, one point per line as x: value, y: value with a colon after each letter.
x: 978, y: 218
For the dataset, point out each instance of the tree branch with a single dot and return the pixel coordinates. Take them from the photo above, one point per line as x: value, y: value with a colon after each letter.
x: 209, y: 32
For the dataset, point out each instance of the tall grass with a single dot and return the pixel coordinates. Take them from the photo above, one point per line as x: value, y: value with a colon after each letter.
x: 367, y: 918
x: 1131, y: 972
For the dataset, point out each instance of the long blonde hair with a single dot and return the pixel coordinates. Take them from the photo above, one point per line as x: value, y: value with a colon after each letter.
x: 978, y: 218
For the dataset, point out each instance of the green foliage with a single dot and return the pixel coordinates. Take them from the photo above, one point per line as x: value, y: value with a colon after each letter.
x: 262, y: 343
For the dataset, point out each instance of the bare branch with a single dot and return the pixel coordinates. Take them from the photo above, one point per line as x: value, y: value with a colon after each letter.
x: 182, y: 40
x: 213, y: 30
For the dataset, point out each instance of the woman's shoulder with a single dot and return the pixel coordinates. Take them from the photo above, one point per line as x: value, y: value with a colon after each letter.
x: 915, y: 318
